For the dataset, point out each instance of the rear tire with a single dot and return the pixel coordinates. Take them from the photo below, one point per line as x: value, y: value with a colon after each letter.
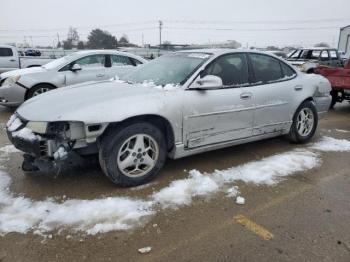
x: 304, y: 124
x: 37, y: 90
x: 133, y: 154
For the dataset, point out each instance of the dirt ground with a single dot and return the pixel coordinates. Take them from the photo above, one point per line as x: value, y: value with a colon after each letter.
x: 304, y: 218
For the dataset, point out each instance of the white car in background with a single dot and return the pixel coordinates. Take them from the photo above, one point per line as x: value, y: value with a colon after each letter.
x: 96, y: 65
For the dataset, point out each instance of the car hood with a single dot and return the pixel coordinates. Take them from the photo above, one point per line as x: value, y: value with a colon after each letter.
x: 21, y: 72
x: 94, y: 102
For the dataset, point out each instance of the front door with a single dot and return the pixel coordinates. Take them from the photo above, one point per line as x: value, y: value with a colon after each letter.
x: 93, y: 68
x: 220, y: 115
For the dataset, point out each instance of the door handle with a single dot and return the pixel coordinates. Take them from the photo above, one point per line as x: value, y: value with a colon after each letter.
x: 12, y: 60
x: 246, y: 95
x: 298, y: 88
x: 100, y: 75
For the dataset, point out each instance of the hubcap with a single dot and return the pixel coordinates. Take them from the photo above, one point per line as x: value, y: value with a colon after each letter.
x: 138, y: 155
x: 40, y: 91
x: 305, y: 122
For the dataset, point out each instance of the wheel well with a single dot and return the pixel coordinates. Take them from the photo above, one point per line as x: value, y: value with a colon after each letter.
x: 46, y: 84
x: 310, y: 71
x: 159, y: 121
x: 308, y: 99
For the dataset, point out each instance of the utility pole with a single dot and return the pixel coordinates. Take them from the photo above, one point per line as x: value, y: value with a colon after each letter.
x: 58, y: 38
x: 160, y: 33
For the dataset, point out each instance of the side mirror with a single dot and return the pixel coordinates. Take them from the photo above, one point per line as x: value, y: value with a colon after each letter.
x: 207, y: 82
x: 75, y: 68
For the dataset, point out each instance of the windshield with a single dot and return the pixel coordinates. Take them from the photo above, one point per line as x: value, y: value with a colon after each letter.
x: 172, y: 69
x: 60, y: 61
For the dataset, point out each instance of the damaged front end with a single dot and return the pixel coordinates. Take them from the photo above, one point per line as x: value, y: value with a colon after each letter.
x: 53, y: 146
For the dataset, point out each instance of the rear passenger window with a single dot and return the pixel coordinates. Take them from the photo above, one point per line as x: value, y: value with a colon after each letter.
x: 232, y: 69
x: 135, y: 61
x: 6, y: 52
x: 266, y: 69
x: 287, y: 70
x: 118, y: 60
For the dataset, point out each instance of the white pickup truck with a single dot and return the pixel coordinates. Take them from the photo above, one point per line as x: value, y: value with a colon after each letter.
x: 10, y: 59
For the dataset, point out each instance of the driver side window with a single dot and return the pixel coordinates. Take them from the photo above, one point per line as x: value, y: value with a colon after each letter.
x: 92, y: 62
x: 232, y: 69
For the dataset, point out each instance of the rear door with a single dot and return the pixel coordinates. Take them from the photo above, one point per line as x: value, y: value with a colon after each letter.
x: 8, y: 59
x: 276, y: 87
x: 93, y: 68
x: 223, y: 114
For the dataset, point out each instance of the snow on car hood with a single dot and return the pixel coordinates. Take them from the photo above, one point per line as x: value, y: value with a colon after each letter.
x: 21, y: 72
x: 95, y: 102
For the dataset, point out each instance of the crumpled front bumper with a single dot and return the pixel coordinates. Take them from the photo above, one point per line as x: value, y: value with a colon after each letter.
x: 36, y: 158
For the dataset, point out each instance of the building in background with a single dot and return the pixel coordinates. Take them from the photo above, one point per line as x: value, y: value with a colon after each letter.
x: 344, y: 40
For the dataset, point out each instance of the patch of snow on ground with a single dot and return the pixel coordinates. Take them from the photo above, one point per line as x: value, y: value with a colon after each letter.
x: 342, y: 131
x: 240, y: 200
x: 271, y: 169
x: 21, y: 214
x: 331, y: 144
x: 233, y: 191
x: 180, y: 192
x: 9, y: 149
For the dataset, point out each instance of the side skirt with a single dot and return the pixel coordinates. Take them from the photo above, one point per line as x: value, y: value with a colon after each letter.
x: 180, y: 151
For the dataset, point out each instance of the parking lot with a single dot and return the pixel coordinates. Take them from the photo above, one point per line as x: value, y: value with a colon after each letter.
x: 300, y: 217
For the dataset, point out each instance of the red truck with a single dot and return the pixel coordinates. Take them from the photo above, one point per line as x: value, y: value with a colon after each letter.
x: 340, y: 80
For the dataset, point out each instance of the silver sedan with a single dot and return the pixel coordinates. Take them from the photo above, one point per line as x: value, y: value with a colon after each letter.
x: 174, y: 106
x: 19, y: 85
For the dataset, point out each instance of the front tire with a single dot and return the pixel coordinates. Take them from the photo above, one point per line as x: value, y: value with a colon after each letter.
x: 38, y: 90
x: 305, y: 121
x: 132, y: 155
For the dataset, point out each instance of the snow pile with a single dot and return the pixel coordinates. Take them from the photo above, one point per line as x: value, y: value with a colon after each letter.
x: 26, y: 134
x: 271, y: 169
x: 233, y: 191
x: 167, y: 87
x: 21, y: 214
x: 240, y: 200
x: 13, y: 123
x: 180, y: 192
x: 266, y: 171
x: 331, y: 144
x: 60, y: 153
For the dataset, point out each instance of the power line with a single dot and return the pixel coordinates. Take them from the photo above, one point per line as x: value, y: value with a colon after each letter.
x: 131, y: 24
x: 252, y: 29
x: 302, y: 21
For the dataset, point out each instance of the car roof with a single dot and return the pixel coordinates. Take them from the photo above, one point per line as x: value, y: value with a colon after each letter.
x: 316, y: 48
x: 7, y: 46
x: 220, y: 51
x: 108, y: 52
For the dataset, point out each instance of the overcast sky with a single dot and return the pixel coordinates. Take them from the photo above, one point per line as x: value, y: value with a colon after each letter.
x: 251, y: 22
